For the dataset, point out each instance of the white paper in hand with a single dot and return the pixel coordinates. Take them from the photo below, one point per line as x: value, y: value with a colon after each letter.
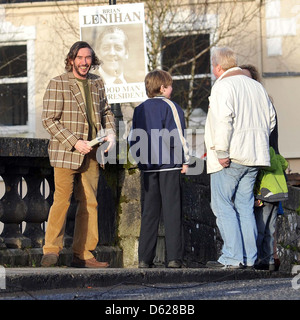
x: 94, y: 142
x: 99, y: 139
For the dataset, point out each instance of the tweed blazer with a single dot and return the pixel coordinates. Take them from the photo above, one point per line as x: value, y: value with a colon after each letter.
x: 64, y: 117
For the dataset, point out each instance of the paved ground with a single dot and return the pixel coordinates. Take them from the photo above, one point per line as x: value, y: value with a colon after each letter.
x: 179, y: 293
x: 152, y: 293
x: 35, y: 279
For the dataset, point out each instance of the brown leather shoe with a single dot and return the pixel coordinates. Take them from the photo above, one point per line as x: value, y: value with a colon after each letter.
x: 90, y: 263
x: 49, y: 259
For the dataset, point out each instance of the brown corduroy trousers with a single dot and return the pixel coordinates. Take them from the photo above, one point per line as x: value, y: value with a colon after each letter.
x: 84, y: 182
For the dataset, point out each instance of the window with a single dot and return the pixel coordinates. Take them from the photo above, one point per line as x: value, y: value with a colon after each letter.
x: 191, y: 77
x: 13, y: 85
x: 17, y: 81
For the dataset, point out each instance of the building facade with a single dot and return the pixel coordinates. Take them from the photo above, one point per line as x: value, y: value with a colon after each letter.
x: 35, y: 37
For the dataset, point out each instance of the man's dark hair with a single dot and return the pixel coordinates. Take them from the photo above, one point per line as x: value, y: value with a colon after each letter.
x: 253, y: 71
x: 73, y: 54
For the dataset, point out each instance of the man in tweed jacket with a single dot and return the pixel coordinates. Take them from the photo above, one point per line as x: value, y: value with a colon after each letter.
x: 75, y: 109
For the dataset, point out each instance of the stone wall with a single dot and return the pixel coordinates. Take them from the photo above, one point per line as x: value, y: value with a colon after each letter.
x: 202, y: 238
x: 23, y: 213
x: 129, y: 211
x: 120, y: 198
x: 288, y: 231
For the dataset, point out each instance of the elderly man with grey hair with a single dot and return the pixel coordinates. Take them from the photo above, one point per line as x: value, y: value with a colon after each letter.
x: 238, y: 125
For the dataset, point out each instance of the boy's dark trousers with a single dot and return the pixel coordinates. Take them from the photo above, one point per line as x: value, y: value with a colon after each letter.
x: 162, y: 193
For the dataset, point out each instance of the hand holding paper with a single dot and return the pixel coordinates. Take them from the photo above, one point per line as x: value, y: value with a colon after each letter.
x: 111, y: 138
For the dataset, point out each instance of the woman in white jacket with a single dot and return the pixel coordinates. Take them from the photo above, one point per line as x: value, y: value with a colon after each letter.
x: 238, y: 125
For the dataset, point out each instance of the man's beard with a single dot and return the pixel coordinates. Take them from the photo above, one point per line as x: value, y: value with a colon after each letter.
x: 84, y: 75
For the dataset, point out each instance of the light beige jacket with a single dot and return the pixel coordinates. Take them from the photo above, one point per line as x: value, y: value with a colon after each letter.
x: 239, y: 121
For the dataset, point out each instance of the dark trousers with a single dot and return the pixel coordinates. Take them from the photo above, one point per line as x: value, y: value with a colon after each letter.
x: 162, y: 194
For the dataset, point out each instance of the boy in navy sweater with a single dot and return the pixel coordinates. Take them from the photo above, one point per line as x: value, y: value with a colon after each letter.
x: 158, y: 145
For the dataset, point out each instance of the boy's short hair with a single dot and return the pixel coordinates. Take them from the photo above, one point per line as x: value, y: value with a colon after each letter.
x: 155, y: 79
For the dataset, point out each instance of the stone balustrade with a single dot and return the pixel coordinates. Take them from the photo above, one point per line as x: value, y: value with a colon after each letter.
x: 28, y: 188
x: 27, y: 160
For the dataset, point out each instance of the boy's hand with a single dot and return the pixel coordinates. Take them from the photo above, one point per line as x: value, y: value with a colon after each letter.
x: 185, y: 168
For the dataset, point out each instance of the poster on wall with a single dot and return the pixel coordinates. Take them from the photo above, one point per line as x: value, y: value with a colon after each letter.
x: 117, y: 34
